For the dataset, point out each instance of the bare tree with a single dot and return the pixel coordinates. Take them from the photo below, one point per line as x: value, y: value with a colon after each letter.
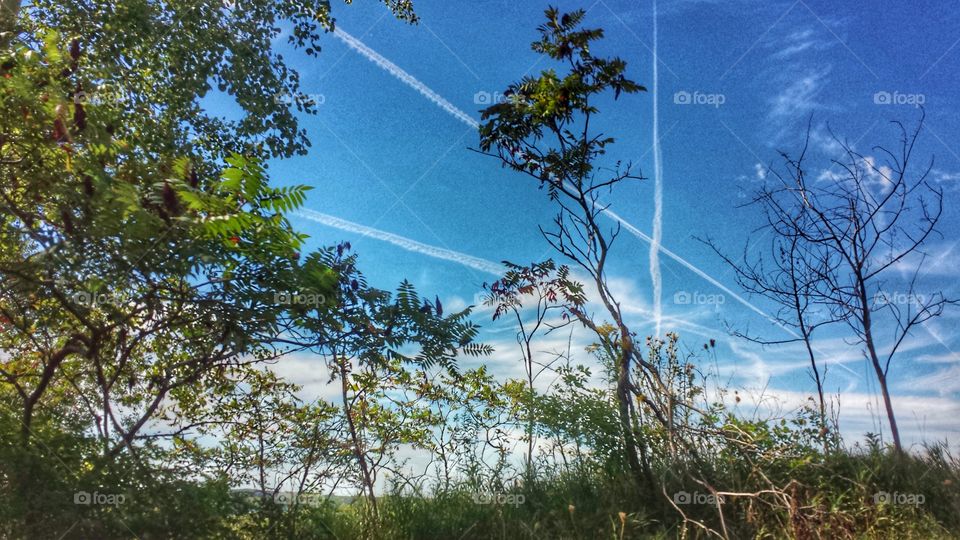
x: 841, y: 235
x: 781, y: 272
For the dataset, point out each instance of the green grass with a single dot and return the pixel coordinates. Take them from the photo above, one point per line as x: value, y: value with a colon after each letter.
x: 831, y: 497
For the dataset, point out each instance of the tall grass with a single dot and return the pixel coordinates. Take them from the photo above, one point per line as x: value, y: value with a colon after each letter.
x: 861, y: 493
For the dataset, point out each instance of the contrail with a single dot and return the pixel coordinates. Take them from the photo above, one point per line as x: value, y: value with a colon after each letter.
x: 402, y: 242
x: 408, y: 244
x: 655, y: 276
x: 404, y: 77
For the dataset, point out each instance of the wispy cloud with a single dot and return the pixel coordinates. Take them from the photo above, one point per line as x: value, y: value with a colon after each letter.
x: 705, y: 276
x: 949, y: 181
x: 788, y: 360
x: 943, y: 358
x: 826, y: 142
x: 798, y: 73
x: 936, y: 260
x: 799, y: 96
x: 404, y: 243
x: 801, y: 41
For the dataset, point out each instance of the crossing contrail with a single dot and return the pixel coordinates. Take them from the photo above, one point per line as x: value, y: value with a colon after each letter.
x: 405, y: 243
x: 409, y: 80
x: 655, y: 275
x: 482, y: 264
x: 404, y: 77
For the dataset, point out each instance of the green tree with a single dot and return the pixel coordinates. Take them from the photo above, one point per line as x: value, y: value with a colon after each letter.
x: 138, y: 273
x: 544, y: 130
x: 381, y: 347
x: 158, y: 60
x: 539, y: 290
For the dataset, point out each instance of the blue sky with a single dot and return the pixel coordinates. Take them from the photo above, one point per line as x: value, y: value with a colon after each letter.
x: 738, y: 81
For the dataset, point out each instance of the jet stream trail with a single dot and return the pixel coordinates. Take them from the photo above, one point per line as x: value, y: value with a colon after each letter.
x: 655, y: 275
x: 405, y: 243
x: 404, y: 77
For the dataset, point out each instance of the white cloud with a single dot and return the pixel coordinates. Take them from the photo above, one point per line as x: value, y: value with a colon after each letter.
x: 798, y: 97
x: 760, y: 171
x: 309, y: 371
x: 949, y: 181
x: 939, y: 260
x: 919, y: 418
x: 942, y: 358
x: 798, y: 70
x: 823, y: 140
x: 801, y: 41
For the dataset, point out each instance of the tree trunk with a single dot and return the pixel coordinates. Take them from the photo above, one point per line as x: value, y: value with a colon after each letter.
x: 623, y: 399
x: 819, y: 382
x: 877, y: 367
x: 358, y: 449
x: 894, y: 430
x: 530, y: 412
